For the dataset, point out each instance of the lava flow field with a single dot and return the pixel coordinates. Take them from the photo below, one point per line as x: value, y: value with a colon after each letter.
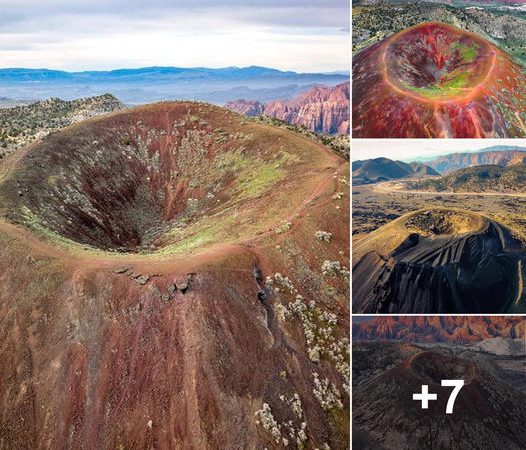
x: 434, y: 80
x: 160, y: 277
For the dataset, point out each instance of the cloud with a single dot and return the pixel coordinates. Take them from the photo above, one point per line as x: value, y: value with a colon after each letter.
x: 269, y: 12
x: 293, y: 34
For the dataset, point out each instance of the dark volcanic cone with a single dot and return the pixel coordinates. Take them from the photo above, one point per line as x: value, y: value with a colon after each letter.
x: 438, y: 261
x: 487, y: 412
x: 434, y: 80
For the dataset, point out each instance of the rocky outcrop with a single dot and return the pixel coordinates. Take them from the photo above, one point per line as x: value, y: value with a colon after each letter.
x: 323, y: 109
x: 500, y: 156
x: 21, y: 125
x: 250, y: 108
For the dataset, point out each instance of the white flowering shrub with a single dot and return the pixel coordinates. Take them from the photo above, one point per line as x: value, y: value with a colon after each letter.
x: 326, y: 393
x: 286, y: 226
x: 268, y: 422
x: 319, y: 327
x: 282, y: 313
x: 334, y: 268
x: 284, y: 282
x: 297, y: 433
x: 325, y: 446
x: 323, y: 236
x: 295, y: 404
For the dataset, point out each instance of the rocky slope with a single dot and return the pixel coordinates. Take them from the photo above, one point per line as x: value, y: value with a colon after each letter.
x: 436, y: 80
x: 500, y: 156
x: 322, y: 109
x: 439, y: 261
x: 454, y: 329
x: 489, y: 178
x: 21, y: 125
x: 161, y: 277
x: 383, y: 169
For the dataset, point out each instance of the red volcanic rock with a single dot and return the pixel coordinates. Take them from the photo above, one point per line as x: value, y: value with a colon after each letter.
x: 434, y: 80
x: 460, y: 329
x: 323, y: 109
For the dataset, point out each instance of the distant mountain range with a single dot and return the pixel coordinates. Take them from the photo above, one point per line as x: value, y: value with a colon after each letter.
x: 322, y: 109
x: 494, y: 169
x: 384, y: 169
x: 457, y: 3
x: 150, y: 84
x: 500, y: 155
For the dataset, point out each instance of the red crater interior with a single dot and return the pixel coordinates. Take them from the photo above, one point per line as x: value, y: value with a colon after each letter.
x: 435, y: 80
x: 437, y: 62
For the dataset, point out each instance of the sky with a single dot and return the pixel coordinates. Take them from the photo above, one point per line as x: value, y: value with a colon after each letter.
x: 415, y: 149
x: 299, y: 35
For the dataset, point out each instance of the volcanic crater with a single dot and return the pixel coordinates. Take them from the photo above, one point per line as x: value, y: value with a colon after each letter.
x: 138, y: 255
x: 435, y: 80
x: 443, y: 222
x: 438, y: 260
x: 438, y: 62
x: 433, y: 367
x: 143, y: 180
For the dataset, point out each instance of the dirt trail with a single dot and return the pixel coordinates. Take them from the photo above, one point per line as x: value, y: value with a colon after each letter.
x: 520, y: 282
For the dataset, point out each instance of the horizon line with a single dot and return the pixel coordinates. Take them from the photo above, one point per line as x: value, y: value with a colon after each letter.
x: 342, y: 72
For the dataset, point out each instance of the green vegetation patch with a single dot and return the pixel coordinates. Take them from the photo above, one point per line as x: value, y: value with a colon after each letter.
x: 254, y: 175
x: 467, y: 53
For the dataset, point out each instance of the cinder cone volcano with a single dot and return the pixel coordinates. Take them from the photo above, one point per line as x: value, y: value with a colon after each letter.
x: 134, y: 250
x: 487, y: 412
x: 439, y: 261
x: 434, y: 80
